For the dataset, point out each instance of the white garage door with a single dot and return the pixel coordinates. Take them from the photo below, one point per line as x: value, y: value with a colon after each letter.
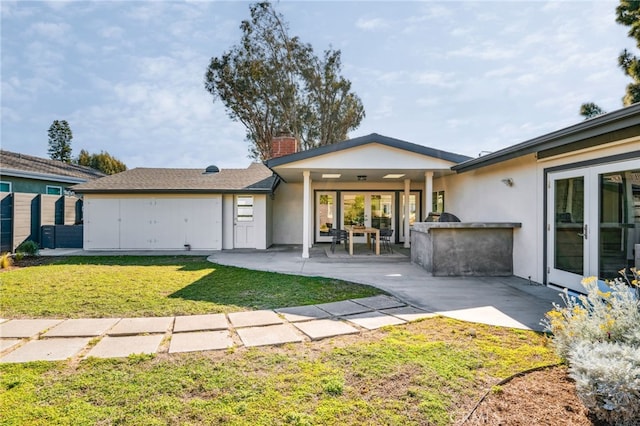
x: 153, y: 223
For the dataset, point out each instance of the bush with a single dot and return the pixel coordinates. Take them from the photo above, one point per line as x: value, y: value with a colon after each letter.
x: 599, y: 335
x: 6, y: 260
x: 607, y: 379
x: 29, y: 248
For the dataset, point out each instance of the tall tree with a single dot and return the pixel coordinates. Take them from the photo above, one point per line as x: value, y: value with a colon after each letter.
x: 272, y: 82
x: 60, y: 136
x: 590, y: 110
x: 103, y: 161
x: 628, y: 14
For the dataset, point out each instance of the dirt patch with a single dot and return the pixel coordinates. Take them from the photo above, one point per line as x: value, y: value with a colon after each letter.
x: 28, y: 261
x: 546, y: 397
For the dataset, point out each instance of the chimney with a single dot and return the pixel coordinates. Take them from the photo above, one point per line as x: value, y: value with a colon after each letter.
x: 283, y: 145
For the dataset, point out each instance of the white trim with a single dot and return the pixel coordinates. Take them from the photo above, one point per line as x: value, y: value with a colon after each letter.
x: 52, y: 187
x: 306, y: 214
x: 43, y: 176
x: 407, y: 212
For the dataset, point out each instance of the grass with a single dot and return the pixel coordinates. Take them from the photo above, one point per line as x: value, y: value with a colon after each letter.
x: 118, y: 286
x: 429, y: 372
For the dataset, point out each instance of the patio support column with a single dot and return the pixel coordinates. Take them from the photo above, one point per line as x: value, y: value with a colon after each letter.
x: 428, y: 194
x: 306, y: 197
x: 407, y: 212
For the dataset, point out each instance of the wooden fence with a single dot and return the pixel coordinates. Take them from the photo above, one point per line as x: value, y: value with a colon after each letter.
x: 23, y: 216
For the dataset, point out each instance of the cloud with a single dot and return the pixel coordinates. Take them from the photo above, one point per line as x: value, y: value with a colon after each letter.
x: 49, y: 30
x: 434, y: 78
x: 486, y: 51
x: 112, y: 32
x: 371, y: 24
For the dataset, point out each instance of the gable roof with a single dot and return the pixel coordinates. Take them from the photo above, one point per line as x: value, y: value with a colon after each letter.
x: 363, y: 140
x: 27, y: 166
x: 614, y: 126
x: 254, y: 179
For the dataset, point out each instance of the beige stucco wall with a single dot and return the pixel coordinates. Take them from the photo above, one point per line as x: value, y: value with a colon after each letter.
x: 480, y: 195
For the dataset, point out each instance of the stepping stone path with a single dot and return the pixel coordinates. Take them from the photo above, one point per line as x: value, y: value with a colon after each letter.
x: 24, y: 340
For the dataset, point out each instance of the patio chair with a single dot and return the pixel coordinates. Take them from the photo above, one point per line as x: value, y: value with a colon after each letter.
x: 385, y: 239
x: 337, y: 236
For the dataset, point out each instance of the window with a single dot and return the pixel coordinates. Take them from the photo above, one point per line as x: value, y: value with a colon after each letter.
x: 244, y: 208
x: 54, y: 190
x: 5, y: 186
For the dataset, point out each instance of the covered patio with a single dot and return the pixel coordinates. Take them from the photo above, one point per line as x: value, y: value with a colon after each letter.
x: 373, y: 181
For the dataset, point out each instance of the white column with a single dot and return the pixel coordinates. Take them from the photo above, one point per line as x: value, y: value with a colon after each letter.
x: 407, y: 212
x: 428, y: 196
x: 306, y: 196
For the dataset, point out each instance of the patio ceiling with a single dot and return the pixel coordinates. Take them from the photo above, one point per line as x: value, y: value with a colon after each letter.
x: 293, y: 175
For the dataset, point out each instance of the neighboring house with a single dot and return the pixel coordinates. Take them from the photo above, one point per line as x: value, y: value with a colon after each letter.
x: 29, y: 174
x: 576, y: 193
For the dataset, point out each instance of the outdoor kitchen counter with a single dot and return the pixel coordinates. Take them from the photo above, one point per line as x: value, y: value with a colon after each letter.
x: 464, y: 249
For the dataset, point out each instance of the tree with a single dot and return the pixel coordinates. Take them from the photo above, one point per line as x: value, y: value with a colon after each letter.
x: 628, y: 14
x: 104, y: 162
x: 273, y: 83
x: 60, y: 141
x: 590, y: 110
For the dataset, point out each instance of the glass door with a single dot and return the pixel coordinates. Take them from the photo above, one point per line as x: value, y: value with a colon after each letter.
x: 568, y: 230
x: 593, y: 223
x: 368, y: 209
x: 325, y: 215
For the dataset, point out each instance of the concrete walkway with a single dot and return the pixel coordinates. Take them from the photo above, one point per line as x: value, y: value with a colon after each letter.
x: 24, y: 340
x: 502, y: 301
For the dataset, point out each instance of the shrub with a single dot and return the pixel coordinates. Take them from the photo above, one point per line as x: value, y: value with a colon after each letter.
x: 29, y: 248
x: 6, y: 260
x: 607, y: 379
x: 599, y: 335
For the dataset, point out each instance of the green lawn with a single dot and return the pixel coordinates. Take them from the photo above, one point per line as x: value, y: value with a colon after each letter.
x: 424, y: 373
x: 157, y: 286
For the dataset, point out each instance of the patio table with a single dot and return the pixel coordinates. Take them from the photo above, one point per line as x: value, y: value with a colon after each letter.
x: 367, y: 231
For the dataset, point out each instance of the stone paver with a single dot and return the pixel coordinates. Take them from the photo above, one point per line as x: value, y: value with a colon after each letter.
x: 254, y: 318
x: 345, y: 307
x: 409, y: 313
x: 131, y: 326
x: 269, y: 335
x: 84, y: 327
x: 303, y: 313
x: 379, y: 302
x: 2, y: 320
x: 8, y: 343
x: 26, y: 328
x: 123, y: 346
x: 200, y: 341
x: 200, y: 323
x: 47, y: 350
x: 373, y: 320
x: 320, y: 329
x: 489, y: 314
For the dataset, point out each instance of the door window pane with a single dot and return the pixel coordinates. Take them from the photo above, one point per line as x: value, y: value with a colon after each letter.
x: 326, y: 213
x: 569, y: 225
x: 353, y: 209
x: 244, y: 212
x: 619, y: 224
x: 381, y: 208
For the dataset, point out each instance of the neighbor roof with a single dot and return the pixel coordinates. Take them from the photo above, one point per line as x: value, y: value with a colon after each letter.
x: 614, y: 126
x: 363, y: 140
x: 256, y: 178
x: 27, y: 166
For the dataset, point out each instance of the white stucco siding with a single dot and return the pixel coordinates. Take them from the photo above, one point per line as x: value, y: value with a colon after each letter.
x: 287, y: 214
x: 153, y: 222
x: 480, y: 195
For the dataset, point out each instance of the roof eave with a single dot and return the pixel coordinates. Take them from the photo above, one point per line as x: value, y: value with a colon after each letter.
x: 616, y: 121
x: 42, y: 176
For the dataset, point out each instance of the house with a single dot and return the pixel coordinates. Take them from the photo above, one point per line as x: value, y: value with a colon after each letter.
x: 35, y: 200
x: 575, y: 192
x: 29, y: 174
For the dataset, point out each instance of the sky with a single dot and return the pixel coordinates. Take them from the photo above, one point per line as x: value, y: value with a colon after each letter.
x: 465, y: 77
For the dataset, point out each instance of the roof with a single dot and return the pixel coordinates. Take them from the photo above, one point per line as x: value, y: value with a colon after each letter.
x: 614, y: 126
x: 255, y: 178
x: 363, y: 140
x: 27, y: 166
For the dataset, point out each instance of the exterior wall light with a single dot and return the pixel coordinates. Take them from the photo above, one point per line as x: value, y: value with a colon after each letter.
x: 508, y: 181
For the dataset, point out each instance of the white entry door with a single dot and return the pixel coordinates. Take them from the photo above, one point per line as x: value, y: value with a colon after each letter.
x: 244, y: 225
